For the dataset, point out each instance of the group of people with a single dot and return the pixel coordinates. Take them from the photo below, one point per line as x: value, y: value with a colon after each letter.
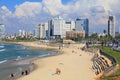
x: 26, y: 72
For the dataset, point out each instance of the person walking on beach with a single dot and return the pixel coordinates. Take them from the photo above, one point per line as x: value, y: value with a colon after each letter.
x: 12, y: 75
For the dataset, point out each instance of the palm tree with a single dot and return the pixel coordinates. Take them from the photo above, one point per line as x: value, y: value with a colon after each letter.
x: 104, y: 31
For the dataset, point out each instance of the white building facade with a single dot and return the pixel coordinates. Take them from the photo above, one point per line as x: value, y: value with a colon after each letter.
x: 111, y: 26
x: 56, y: 28
x: 21, y: 33
x: 69, y: 26
x: 2, y: 31
x: 43, y: 30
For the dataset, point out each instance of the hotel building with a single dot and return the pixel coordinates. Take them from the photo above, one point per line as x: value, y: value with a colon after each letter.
x: 56, y: 28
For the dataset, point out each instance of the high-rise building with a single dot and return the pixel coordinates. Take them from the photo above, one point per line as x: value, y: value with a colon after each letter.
x: 111, y: 26
x: 70, y: 25
x: 2, y: 31
x: 43, y: 30
x: 57, y: 28
x: 21, y: 33
x: 46, y: 30
x: 28, y: 34
x: 35, y: 33
x: 50, y: 28
x: 40, y: 30
x: 82, y: 24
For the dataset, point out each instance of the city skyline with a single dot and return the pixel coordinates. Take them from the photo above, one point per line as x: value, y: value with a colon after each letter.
x: 27, y: 14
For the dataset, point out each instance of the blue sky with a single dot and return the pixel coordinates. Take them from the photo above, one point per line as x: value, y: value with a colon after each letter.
x: 11, y: 3
x: 27, y: 14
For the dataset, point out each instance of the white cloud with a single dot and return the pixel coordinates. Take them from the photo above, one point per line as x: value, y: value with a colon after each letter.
x: 28, y: 9
x: 32, y: 13
x: 54, y: 7
x: 4, y: 12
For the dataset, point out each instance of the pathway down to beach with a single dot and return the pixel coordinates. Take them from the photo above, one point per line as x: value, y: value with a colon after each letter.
x: 74, y: 64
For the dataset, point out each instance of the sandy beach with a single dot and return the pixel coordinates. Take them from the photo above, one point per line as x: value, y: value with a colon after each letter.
x: 74, y: 64
x: 37, y: 45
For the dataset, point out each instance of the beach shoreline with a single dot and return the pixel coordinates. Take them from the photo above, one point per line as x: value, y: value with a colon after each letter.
x: 25, y: 63
x: 46, y: 67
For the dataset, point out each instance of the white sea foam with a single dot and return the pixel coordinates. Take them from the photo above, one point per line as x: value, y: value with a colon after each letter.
x: 3, y: 61
x: 44, y: 55
x: 2, y: 46
x: 18, y: 58
x: 2, y: 50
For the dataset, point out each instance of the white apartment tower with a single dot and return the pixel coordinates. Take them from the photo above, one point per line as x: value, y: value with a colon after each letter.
x: 70, y: 25
x: 56, y: 28
x: 111, y: 26
x: 2, y: 31
x: 21, y: 33
x: 43, y: 30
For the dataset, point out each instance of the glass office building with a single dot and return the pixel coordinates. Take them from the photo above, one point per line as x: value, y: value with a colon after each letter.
x: 82, y: 24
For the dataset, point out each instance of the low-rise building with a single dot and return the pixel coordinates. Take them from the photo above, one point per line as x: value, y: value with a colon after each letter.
x: 75, y: 34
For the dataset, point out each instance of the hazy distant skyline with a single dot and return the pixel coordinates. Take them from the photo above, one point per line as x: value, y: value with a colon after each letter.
x: 27, y: 14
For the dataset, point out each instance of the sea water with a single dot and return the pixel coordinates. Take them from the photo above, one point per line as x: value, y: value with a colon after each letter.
x: 12, y: 54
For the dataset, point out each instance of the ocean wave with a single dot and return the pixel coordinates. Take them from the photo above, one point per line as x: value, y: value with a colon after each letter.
x: 2, y: 50
x: 2, y: 46
x: 18, y: 58
x: 3, y: 61
x: 44, y: 55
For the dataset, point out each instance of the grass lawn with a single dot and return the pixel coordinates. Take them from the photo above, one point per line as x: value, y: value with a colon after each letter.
x: 113, y: 53
x: 116, y: 55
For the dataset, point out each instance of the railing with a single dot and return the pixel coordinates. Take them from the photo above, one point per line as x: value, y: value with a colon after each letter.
x: 114, y: 62
x: 115, y: 49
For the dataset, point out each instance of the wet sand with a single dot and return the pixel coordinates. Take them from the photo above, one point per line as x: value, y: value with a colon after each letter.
x: 12, y: 69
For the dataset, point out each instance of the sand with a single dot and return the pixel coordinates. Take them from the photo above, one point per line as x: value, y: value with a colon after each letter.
x: 74, y: 64
x: 37, y: 45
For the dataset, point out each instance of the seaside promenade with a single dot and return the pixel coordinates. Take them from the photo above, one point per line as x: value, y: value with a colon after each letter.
x: 73, y: 63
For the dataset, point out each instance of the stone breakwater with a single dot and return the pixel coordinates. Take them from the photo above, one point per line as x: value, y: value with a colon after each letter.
x: 103, y: 64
